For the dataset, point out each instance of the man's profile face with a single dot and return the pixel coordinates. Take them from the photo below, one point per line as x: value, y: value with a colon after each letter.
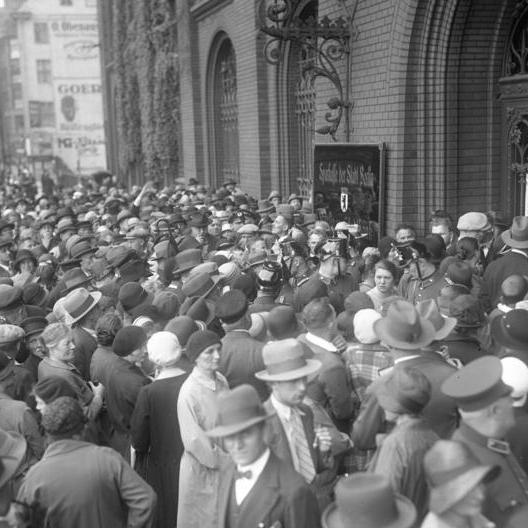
x: 291, y: 392
x: 246, y: 446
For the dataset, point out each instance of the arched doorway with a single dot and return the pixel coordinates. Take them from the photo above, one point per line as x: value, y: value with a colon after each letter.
x: 514, y: 97
x: 223, y: 112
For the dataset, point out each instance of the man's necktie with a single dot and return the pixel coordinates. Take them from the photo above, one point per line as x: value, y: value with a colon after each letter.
x: 243, y: 474
x: 300, y: 444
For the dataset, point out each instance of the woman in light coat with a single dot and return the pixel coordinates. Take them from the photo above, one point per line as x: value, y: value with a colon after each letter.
x: 202, y: 458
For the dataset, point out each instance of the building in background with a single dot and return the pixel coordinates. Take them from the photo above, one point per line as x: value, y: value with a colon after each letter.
x: 443, y: 84
x: 51, y: 95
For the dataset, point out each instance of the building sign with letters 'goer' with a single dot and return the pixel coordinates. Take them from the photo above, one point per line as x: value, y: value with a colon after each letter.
x: 349, y: 186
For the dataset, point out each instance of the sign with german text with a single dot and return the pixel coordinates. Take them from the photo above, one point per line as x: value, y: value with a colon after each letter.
x: 348, y: 184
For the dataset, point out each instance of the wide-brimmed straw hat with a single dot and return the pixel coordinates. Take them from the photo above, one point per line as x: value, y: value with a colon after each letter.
x: 404, y: 328
x: 452, y: 472
x: 238, y: 410
x: 285, y: 361
x: 80, y: 302
x: 366, y: 500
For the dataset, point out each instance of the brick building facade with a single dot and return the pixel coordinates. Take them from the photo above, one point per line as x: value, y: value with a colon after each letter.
x: 434, y: 80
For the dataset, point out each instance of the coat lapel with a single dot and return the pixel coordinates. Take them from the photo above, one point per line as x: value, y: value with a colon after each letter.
x: 276, y: 436
x: 227, y: 482
x: 256, y: 508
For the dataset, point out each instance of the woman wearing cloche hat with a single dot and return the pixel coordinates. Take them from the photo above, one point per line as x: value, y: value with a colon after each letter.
x: 197, y: 411
x: 154, y: 426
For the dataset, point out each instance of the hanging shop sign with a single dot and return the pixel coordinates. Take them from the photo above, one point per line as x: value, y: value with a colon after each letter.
x: 349, y: 184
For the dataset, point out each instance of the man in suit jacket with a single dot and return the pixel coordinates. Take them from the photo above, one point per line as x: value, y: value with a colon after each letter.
x: 406, y: 334
x: 330, y: 387
x: 241, y: 355
x: 292, y: 435
x: 257, y: 489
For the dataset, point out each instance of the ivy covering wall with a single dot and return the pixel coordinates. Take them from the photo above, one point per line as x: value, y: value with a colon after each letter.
x: 147, y: 87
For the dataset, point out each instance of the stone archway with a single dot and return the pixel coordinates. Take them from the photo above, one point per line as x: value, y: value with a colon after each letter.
x: 450, y: 135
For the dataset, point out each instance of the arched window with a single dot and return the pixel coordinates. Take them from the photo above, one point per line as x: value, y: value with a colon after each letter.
x: 223, y: 112
x: 298, y: 102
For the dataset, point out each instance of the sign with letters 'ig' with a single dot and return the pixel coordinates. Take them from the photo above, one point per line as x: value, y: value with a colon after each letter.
x: 349, y: 185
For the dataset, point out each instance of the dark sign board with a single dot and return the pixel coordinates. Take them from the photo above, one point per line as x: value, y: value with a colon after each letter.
x: 349, y: 185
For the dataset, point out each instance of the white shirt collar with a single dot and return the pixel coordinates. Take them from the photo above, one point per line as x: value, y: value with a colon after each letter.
x: 504, y: 308
x: 257, y: 467
x: 284, y: 411
x: 320, y: 342
x: 170, y: 372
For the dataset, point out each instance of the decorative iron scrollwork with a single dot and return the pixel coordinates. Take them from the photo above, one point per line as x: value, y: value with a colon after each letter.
x: 329, y: 42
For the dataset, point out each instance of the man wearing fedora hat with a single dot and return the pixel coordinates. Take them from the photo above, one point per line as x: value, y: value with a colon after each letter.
x: 514, y: 261
x: 198, y: 236
x: 257, y: 489
x: 83, y: 309
x: 292, y: 434
x: 486, y: 409
x: 407, y: 335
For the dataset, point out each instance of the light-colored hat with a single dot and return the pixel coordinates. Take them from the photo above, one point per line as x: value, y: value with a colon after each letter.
x: 248, y: 229
x: 452, y: 472
x: 230, y: 271
x: 80, y: 302
x: 403, y: 327
x: 473, y: 221
x: 443, y: 325
x: 164, y: 349
x: 364, y: 320
x: 10, y: 333
x: 515, y: 374
x: 285, y: 361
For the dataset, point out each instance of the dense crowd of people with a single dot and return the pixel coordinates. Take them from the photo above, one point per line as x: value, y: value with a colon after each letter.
x: 178, y: 357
